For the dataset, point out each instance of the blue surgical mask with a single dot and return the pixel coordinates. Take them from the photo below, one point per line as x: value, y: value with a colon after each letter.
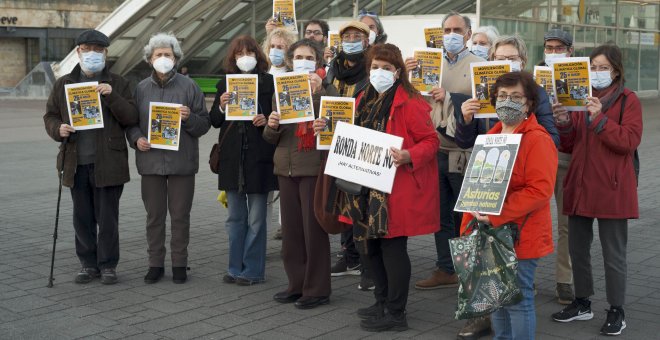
x: 92, y: 62
x: 352, y: 47
x: 480, y: 51
x: 302, y: 65
x: 276, y: 56
x: 453, y: 42
x: 550, y: 57
x: 601, y: 79
x: 381, y: 79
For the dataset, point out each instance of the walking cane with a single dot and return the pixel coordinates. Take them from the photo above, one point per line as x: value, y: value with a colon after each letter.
x: 57, y: 215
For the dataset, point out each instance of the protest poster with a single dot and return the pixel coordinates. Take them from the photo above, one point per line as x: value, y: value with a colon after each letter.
x: 243, y: 89
x: 488, y: 173
x: 572, y: 82
x: 284, y: 13
x: 84, y: 104
x: 427, y: 74
x: 433, y: 36
x: 543, y: 77
x: 165, y: 125
x: 334, y: 43
x: 362, y: 156
x: 294, y: 97
x: 483, y: 75
x: 334, y: 109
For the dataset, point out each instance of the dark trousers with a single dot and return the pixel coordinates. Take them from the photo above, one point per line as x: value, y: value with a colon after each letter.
x: 390, y: 268
x: 160, y: 194
x: 450, y: 187
x: 305, y: 245
x: 613, y: 235
x: 351, y: 254
x: 94, y: 206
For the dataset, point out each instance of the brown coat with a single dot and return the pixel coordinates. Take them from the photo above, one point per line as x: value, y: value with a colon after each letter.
x: 119, y: 111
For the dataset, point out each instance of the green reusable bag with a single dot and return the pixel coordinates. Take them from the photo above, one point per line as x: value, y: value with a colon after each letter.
x: 486, y: 264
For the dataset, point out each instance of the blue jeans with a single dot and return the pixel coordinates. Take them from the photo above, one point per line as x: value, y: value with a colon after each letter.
x: 450, y: 221
x: 246, y: 226
x: 518, y: 321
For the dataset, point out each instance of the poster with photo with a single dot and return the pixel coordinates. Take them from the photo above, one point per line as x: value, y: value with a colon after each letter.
x: 488, y: 173
x: 426, y: 76
x: 543, y: 77
x: 334, y: 109
x: 164, y: 125
x: 243, y: 90
x: 284, y: 13
x: 572, y: 82
x: 483, y: 75
x: 334, y: 43
x: 84, y: 104
x: 294, y: 97
x: 433, y: 36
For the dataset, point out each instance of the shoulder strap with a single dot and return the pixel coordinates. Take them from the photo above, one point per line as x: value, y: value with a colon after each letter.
x: 623, y: 105
x: 225, y: 134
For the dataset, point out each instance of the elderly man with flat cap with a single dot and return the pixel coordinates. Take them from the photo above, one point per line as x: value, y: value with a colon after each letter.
x: 96, y: 160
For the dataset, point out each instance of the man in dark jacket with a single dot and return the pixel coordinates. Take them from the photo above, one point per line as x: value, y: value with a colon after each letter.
x: 96, y: 160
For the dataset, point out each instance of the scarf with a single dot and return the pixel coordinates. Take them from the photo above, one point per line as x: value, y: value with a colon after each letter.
x: 347, y: 74
x: 369, y: 209
x: 305, y: 135
x: 609, y: 95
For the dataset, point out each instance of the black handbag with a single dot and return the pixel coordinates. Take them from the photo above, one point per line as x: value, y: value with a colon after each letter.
x: 349, y: 187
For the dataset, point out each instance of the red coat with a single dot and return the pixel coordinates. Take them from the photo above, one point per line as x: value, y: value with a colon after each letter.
x: 601, y: 178
x: 530, y: 190
x: 413, y: 206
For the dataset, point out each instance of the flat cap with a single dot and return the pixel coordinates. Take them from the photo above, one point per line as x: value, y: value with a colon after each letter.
x: 93, y: 37
x: 559, y: 34
x: 355, y: 24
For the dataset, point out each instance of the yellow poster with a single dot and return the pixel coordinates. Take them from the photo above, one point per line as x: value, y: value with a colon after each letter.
x: 84, y: 104
x: 483, y: 75
x: 433, y: 37
x: 243, y: 89
x: 333, y: 110
x: 543, y: 77
x: 284, y: 13
x: 427, y: 74
x: 294, y: 97
x: 164, y: 125
x: 334, y: 42
x: 572, y: 82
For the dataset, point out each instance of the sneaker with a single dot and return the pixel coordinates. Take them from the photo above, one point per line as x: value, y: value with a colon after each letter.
x: 179, y: 275
x: 108, y: 276
x: 438, y: 279
x: 577, y: 310
x: 564, y: 293
x: 366, y: 284
x: 241, y: 281
x: 341, y: 268
x: 340, y: 254
x: 87, y: 274
x: 475, y: 328
x: 375, y: 310
x: 615, y: 323
x: 228, y: 279
x: 154, y: 274
x: 385, y: 322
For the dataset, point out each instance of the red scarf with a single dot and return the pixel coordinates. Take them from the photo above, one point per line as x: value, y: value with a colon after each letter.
x: 306, y: 138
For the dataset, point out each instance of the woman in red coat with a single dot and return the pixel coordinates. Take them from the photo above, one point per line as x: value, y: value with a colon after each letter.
x: 382, y: 222
x: 601, y: 184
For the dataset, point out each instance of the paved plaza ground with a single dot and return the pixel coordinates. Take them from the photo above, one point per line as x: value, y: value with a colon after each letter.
x: 205, y: 307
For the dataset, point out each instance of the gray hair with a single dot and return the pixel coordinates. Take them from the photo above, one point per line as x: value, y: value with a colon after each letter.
x: 162, y: 40
x: 513, y: 40
x: 490, y: 32
x: 466, y: 19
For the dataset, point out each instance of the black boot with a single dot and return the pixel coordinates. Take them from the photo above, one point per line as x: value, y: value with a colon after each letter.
x: 179, y: 274
x: 375, y: 310
x: 154, y: 274
x: 386, y: 322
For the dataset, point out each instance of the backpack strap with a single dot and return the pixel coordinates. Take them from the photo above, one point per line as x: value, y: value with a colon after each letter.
x: 623, y: 105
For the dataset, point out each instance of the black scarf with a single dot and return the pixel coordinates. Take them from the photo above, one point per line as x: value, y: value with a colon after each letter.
x: 349, y: 75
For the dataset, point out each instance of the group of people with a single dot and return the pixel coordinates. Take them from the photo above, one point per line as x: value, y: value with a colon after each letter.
x: 583, y: 158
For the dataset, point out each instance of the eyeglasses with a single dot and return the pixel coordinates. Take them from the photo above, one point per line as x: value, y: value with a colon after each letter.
x: 518, y: 98
x: 95, y: 48
x: 556, y: 49
x: 310, y: 32
x: 352, y: 36
x: 601, y: 68
x: 507, y: 57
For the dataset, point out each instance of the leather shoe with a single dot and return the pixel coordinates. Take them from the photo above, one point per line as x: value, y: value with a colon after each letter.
x: 438, y: 279
x: 154, y: 274
x: 179, y: 275
x: 286, y: 297
x: 310, y: 302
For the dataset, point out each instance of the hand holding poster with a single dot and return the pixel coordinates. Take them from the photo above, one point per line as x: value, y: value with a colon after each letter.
x: 294, y: 97
x: 165, y: 125
x: 433, y: 37
x: 543, y: 77
x: 483, y: 76
x: 427, y: 74
x: 572, y: 82
x: 334, y: 42
x: 84, y: 104
x: 362, y: 156
x: 334, y: 109
x: 284, y: 13
x: 488, y: 173
x: 243, y: 89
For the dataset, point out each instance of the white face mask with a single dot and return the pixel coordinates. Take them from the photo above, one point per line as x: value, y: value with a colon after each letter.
x: 549, y: 57
x: 381, y: 79
x: 163, y: 65
x: 304, y: 65
x: 372, y: 37
x: 480, y: 51
x: 92, y: 62
x: 601, y: 79
x: 516, y: 66
x: 246, y: 63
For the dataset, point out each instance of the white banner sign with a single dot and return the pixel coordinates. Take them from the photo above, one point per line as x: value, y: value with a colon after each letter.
x: 362, y: 156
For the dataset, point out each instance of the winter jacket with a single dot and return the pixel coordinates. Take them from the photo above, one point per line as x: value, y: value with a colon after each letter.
x: 601, y: 179
x: 179, y: 89
x: 119, y: 111
x: 530, y: 190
